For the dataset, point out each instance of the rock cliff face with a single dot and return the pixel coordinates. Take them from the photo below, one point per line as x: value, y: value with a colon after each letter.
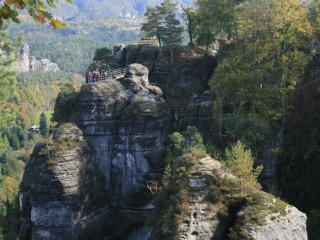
x: 145, y: 54
x: 190, y: 73
x: 91, y: 181
x: 61, y: 187
x: 191, y: 69
x: 27, y: 62
x: 128, y: 132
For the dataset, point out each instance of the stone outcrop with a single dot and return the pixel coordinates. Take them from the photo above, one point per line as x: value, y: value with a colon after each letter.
x: 206, y: 221
x: 191, y: 70
x: 198, y: 114
x: 61, y: 187
x: 23, y: 64
x: 95, y: 185
x: 292, y: 225
x: 128, y: 132
x: 28, y: 63
x: 119, y: 53
x: 145, y: 54
x: 137, y: 74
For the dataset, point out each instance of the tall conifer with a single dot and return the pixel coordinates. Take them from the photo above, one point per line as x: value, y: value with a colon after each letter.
x: 43, y: 125
x: 171, y: 29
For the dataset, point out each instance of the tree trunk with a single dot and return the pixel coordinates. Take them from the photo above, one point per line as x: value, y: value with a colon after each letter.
x: 159, y: 41
x: 190, y: 36
x: 171, y: 51
x: 190, y: 31
x: 235, y: 20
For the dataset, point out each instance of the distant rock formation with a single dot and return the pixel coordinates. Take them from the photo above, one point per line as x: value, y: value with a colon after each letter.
x: 91, y: 181
x: 27, y: 62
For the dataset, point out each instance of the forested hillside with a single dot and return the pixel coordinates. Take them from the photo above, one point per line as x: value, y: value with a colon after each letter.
x: 105, y: 9
x: 73, y: 48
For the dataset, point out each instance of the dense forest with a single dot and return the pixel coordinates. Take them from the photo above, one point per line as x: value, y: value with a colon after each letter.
x: 268, y: 52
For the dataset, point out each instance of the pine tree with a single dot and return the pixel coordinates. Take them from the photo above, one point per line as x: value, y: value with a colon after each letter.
x: 240, y: 162
x: 43, y: 125
x: 152, y: 23
x: 204, y: 33
x: 104, y: 57
x: 171, y: 29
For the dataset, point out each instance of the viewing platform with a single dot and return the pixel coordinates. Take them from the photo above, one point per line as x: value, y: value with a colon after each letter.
x: 173, y: 103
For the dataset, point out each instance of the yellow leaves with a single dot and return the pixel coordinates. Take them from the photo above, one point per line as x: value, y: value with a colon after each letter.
x: 55, y: 23
x: 294, y: 12
x: 10, y: 188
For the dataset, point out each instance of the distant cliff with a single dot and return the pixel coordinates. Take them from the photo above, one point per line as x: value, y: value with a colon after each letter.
x: 28, y: 63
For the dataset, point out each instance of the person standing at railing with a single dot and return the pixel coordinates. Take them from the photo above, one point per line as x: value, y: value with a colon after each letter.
x: 198, y: 100
x: 194, y: 98
x: 105, y: 74
x: 90, y: 76
x: 87, y: 77
x: 95, y: 76
x: 99, y: 75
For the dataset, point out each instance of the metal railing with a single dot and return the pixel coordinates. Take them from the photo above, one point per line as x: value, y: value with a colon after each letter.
x: 184, y: 102
x: 111, y: 74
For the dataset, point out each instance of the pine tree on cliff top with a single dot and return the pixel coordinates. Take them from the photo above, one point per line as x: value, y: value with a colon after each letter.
x: 152, y: 24
x: 171, y: 29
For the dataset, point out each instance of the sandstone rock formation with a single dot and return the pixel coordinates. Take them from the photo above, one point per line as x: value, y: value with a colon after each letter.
x: 145, y: 54
x: 190, y: 73
x: 199, y: 114
x: 26, y: 62
x: 192, y: 69
x: 91, y: 182
x: 23, y: 64
x: 292, y: 225
x: 128, y: 132
x: 207, y: 222
x: 119, y: 53
x: 61, y: 187
x: 138, y: 74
